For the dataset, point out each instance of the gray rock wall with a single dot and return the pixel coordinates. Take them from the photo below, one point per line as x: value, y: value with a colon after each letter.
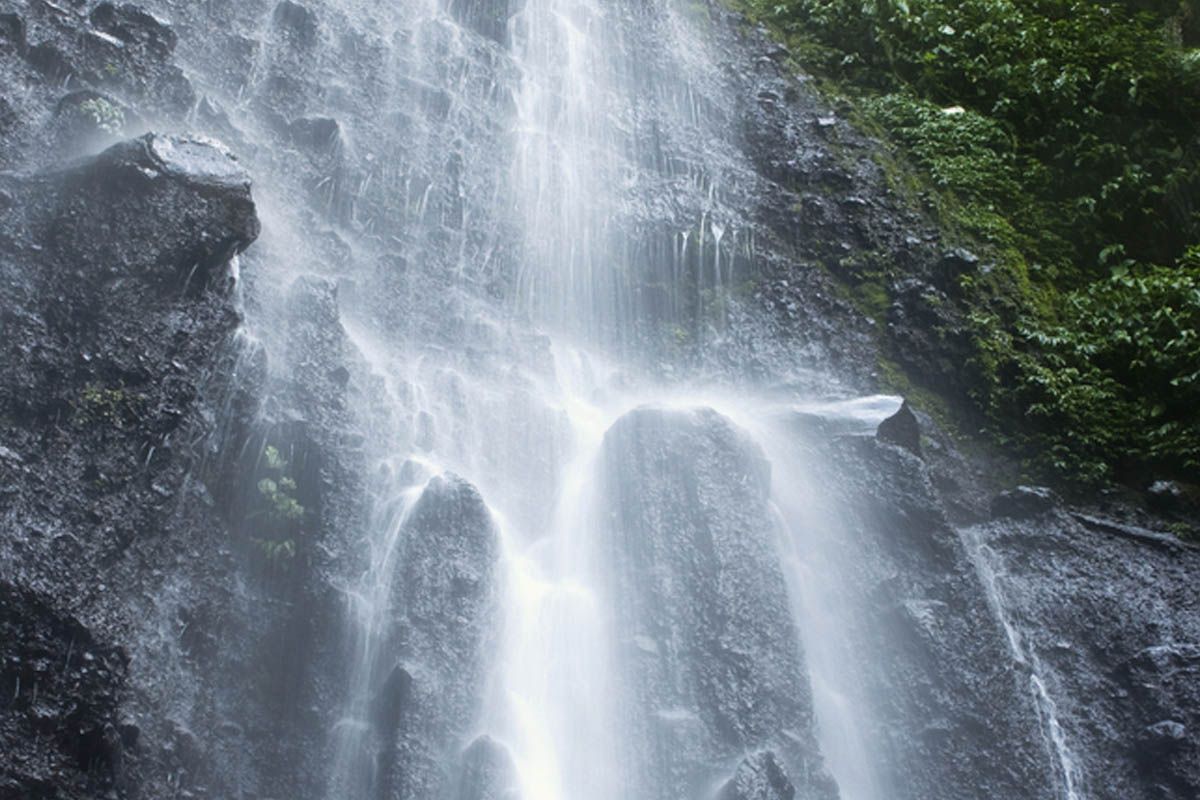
x: 707, y: 636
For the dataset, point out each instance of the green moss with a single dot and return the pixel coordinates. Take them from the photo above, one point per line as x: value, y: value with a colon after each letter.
x: 99, y: 405
x: 1184, y: 531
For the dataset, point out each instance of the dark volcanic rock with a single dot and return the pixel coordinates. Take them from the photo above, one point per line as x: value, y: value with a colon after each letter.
x: 1024, y: 502
x: 704, y: 598
x: 297, y: 20
x: 59, y: 714
x: 902, y: 430
x: 1114, y: 623
x: 315, y: 133
x: 186, y: 199
x: 135, y: 228
x: 759, y: 777
x: 486, y: 773
x: 116, y: 306
x: 939, y: 676
x: 443, y: 606
x: 1168, y: 496
x: 136, y: 27
x: 929, y: 335
x: 12, y: 31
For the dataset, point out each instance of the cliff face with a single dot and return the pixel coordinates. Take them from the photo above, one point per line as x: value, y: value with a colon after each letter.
x: 119, y: 317
x: 198, y: 436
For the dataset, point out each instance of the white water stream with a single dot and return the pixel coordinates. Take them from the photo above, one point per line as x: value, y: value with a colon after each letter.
x: 605, y: 178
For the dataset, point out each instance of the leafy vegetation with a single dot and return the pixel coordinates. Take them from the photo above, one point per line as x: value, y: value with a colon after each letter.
x: 104, y: 115
x: 1063, y: 136
x: 281, y: 512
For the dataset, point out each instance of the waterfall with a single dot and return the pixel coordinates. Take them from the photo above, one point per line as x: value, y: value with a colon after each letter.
x: 597, y: 541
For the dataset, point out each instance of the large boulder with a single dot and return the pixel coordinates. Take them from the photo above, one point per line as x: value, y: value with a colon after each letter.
x: 902, y: 430
x: 486, y: 772
x: 758, y: 777
x: 185, y: 202
x: 710, y: 648
x: 443, y: 609
x: 149, y: 225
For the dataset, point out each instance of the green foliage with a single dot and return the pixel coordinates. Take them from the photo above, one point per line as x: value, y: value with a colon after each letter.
x: 279, y: 490
x: 1120, y: 373
x: 281, y: 503
x: 963, y: 150
x: 273, y: 460
x: 1065, y: 136
x: 1089, y: 96
x: 1189, y: 533
x: 276, y: 550
x: 282, y: 510
x: 104, y: 115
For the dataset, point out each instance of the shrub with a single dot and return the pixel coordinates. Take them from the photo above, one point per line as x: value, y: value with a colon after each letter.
x: 1072, y: 150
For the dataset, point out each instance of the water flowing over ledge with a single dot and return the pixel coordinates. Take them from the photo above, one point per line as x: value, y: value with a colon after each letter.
x: 528, y: 453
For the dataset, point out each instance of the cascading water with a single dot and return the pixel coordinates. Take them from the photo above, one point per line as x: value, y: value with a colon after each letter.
x: 554, y: 672
x: 592, y: 561
x: 990, y: 574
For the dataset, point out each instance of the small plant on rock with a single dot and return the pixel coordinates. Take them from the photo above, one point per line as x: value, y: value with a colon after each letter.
x: 282, y: 510
x: 105, y: 115
x: 100, y: 405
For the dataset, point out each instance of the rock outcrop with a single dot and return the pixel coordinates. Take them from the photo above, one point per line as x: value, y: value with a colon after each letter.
x: 941, y: 677
x: 710, y: 648
x: 445, y: 612
x: 1113, y: 622
x: 758, y: 777
x: 117, y: 303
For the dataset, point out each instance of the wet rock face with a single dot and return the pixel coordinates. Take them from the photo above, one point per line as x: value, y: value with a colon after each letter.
x: 488, y: 18
x: 135, y: 27
x: 1024, y: 502
x: 137, y: 227
x: 116, y: 49
x: 941, y: 678
x: 1113, y: 620
x: 115, y: 369
x: 710, y: 649
x: 444, y: 610
x: 185, y: 202
x: 116, y: 306
x: 446, y: 583
x: 59, y: 722
x: 297, y: 21
x: 759, y: 777
x: 486, y: 773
